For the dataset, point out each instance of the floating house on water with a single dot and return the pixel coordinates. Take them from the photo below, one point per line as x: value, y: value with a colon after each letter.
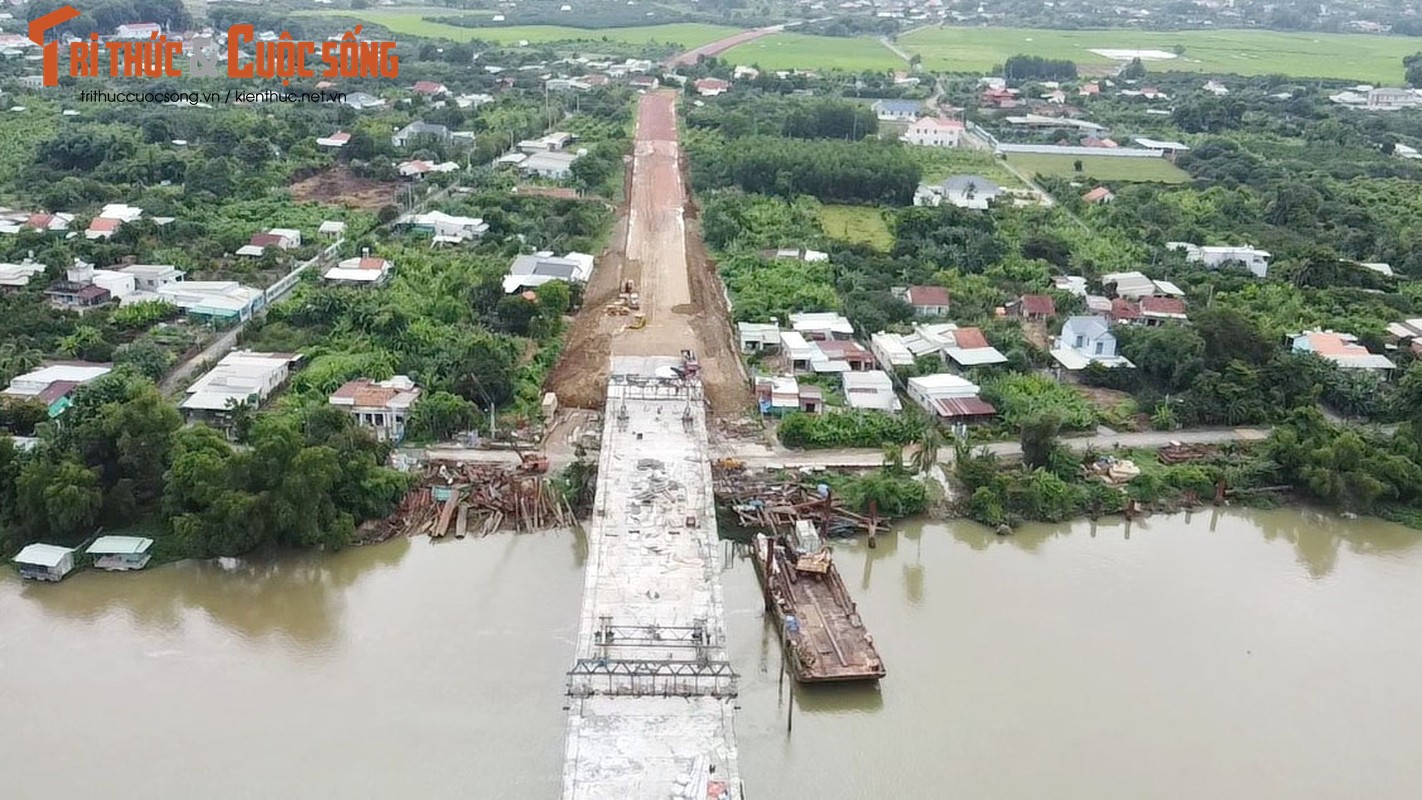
x: 45, y: 562
x: 120, y: 553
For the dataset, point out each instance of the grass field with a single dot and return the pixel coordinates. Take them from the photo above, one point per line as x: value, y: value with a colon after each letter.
x: 856, y: 224
x: 938, y: 163
x: 1376, y: 59
x: 412, y: 22
x: 1102, y: 168
x: 802, y: 51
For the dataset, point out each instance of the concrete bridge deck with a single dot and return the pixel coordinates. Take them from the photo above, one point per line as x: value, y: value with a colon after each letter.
x: 651, y: 692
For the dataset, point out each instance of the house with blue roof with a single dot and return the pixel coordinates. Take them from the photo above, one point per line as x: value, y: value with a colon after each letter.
x: 896, y: 110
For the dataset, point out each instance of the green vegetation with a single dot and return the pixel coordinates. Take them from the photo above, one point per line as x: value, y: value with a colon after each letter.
x: 785, y: 51
x: 849, y: 429
x: 833, y: 171
x: 1099, y: 168
x: 1306, y: 55
x: 857, y: 224
x: 420, y: 22
x: 939, y: 163
x: 1021, y: 398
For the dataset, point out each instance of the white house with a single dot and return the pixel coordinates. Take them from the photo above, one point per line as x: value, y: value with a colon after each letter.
x: 871, y: 389
x: 927, y: 301
x: 217, y: 301
x: 821, y: 325
x: 757, y: 336
x: 949, y: 397
x: 1085, y: 340
x: 890, y: 351
x: 44, y: 562
x: 934, y: 132
x: 363, y: 270
x: 120, y: 553
x: 532, y: 271
x: 1254, y: 260
x: 148, y: 277
x: 382, y: 406
x: 446, y: 227
x: 137, y: 30
x: 550, y: 165
x: 242, y: 377
x: 337, y: 139
x: 796, y: 350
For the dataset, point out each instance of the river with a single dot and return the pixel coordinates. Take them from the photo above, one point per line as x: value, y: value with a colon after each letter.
x: 1217, y: 654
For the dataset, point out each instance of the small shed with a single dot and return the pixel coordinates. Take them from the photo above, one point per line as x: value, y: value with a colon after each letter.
x: 120, y: 553
x: 45, y: 562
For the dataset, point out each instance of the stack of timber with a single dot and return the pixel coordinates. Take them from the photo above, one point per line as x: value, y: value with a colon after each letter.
x: 765, y: 501
x: 471, y: 499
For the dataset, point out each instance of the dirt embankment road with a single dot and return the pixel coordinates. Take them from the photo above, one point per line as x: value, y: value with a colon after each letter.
x: 657, y: 246
x: 690, y: 57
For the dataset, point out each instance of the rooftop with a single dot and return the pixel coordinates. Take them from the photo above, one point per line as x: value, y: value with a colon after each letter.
x: 42, y: 555
x: 119, y: 545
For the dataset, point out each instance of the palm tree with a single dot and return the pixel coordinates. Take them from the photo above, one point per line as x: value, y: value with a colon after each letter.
x: 928, y: 446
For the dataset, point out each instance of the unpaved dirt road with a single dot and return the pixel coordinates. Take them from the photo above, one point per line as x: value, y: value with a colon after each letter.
x: 657, y: 246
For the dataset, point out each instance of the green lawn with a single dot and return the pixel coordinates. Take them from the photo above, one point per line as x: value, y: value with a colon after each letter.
x: 938, y: 163
x: 857, y: 224
x: 1102, y: 168
x: 802, y: 51
x: 412, y: 22
x: 1376, y: 59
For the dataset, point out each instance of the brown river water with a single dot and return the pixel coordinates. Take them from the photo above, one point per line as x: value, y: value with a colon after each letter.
x: 1217, y: 654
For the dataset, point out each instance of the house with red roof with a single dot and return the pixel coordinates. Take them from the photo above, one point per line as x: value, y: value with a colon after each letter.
x: 1033, y: 306
x: 337, y: 139
x: 383, y: 407
x: 710, y: 87
x: 927, y: 301
x: 1100, y: 194
x: 429, y: 88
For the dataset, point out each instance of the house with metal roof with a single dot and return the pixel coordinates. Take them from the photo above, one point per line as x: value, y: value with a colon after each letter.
x: 120, y: 553
x: 53, y: 386
x: 532, y: 271
x: 949, y: 397
x: 821, y: 325
x: 758, y: 336
x: 417, y: 130
x: 1087, y: 340
x: 891, y: 110
x: 383, y: 407
x: 44, y: 562
x: 871, y: 389
x: 1340, y: 348
x: 241, y: 378
x: 363, y: 270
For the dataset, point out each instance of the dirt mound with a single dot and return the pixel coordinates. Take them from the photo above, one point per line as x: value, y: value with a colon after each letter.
x: 339, y: 186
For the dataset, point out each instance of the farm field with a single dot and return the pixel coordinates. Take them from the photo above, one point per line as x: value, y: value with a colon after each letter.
x: 802, y: 51
x: 1102, y: 168
x: 1375, y: 59
x: 860, y: 224
x: 413, y: 22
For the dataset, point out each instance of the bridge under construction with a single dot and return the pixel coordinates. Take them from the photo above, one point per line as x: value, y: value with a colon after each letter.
x: 651, y: 693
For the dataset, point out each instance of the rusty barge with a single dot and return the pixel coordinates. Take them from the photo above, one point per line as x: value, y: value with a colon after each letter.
x: 824, y: 639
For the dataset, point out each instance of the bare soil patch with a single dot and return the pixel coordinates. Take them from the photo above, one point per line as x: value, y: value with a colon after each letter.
x: 340, y: 186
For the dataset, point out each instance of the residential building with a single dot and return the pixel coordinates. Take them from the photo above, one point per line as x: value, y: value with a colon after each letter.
x: 1100, y: 194
x: 1340, y: 348
x: 1135, y: 285
x: 964, y: 347
x: 1408, y: 332
x: 1391, y: 99
x: 1252, y: 259
x: 1069, y: 284
x: 281, y: 238
x: 1124, y: 311
x: 382, y: 406
x: 361, y: 101
x: 420, y: 131
x: 644, y: 82
x: 870, y: 389
x: 79, y: 297
x: 418, y: 169
x: 745, y: 73
x: 149, y: 277
x: 811, y: 399
x: 363, y: 270
x: 44, y: 562
x: 1216, y: 88
x: 14, y: 277
x: 756, y: 337
x: 1034, y: 306
x: 53, y: 385
x: 337, y: 139
x: 796, y: 254
x: 797, y: 351
x: 332, y: 228
x: 1159, y: 310
x: 840, y: 355
x: 949, y: 397
x: 445, y: 227
x: 550, y: 143
x: 241, y: 378
x: 890, y: 350
x: 14, y: 221
x: 120, y: 553
x: 137, y: 30
x: 927, y: 301
x: 553, y: 166
x: 109, y: 218
x: 532, y: 271
x: 934, y: 132
x: 896, y: 110
x: 821, y: 325
x: 711, y: 87
x: 219, y: 302
x: 1087, y: 340
x: 429, y: 88
x: 778, y: 395
x: 964, y: 191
